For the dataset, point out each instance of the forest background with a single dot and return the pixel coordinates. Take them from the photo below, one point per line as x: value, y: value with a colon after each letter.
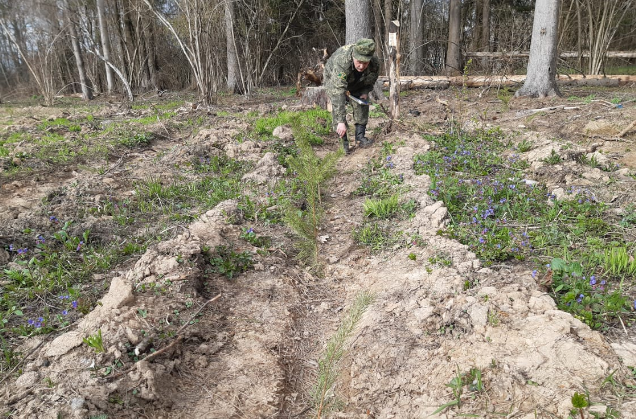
x: 50, y: 48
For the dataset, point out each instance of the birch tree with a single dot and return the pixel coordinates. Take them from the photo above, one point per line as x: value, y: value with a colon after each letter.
x: 87, y: 93
x: 541, y: 73
x: 105, y: 45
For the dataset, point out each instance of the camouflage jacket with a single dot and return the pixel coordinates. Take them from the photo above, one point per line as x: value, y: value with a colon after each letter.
x: 340, y: 78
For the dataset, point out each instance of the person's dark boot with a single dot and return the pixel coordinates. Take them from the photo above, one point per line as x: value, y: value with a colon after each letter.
x: 361, y: 140
x: 345, y: 144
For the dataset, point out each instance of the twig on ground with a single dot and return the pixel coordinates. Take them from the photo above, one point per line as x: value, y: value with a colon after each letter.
x: 116, y: 164
x: 626, y: 130
x: 178, y: 340
x: 623, y: 324
x: 22, y: 360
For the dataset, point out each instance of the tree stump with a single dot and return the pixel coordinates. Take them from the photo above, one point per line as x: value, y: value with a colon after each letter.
x: 314, y: 96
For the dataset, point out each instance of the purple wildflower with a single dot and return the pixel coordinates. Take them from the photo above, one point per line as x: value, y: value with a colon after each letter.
x: 74, y: 304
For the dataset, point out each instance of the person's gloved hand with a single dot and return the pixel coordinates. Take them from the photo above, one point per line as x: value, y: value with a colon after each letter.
x: 341, y: 129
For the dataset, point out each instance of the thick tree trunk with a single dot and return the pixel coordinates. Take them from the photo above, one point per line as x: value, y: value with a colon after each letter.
x: 541, y: 74
x: 87, y: 93
x: 415, y: 38
x: 105, y: 45
x: 358, y: 20
x: 453, y: 52
x: 230, y: 46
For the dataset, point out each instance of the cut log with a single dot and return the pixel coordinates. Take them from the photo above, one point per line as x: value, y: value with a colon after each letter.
x: 314, y: 96
x: 441, y: 82
x: 565, y: 54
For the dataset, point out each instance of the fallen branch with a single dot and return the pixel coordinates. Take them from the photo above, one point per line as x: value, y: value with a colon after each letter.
x: 174, y: 343
x: 529, y: 112
x: 24, y: 358
x: 626, y: 130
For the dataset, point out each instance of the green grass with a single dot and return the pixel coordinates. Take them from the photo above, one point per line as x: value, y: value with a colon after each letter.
x: 378, y: 235
x: 621, y: 70
x: 152, y: 119
x: 60, y: 122
x: 307, y: 126
x: 51, y: 283
x: 501, y: 217
x: 324, y: 395
x: 381, y: 208
x: 136, y: 140
x: 46, y: 280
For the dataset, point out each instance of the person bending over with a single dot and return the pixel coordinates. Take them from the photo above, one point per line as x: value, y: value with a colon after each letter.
x: 352, y: 70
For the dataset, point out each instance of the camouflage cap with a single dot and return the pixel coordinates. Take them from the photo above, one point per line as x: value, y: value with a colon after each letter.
x: 363, y: 49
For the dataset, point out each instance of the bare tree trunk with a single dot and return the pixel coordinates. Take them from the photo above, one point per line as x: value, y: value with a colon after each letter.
x: 377, y: 17
x: 475, y: 44
x: 105, y: 45
x: 415, y: 35
x: 388, y: 15
x: 144, y: 52
x: 579, y: 40
x: 123, y: 45
x: 358, y: 20
x: 453, y: 52
x: 485, y: 29
x: 232, y: 59
x: 87, y: 93
x: 604, y: 18
x: 152, y: 53
x: 541, y: 74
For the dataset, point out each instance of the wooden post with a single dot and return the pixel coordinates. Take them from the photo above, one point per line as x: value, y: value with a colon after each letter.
x: 394, y: 69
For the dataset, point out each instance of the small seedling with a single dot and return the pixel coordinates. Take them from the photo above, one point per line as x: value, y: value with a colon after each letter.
x: 580, y: 401
x: 456, y: 384
x: 95, y: 342
x: 524, y: 146
x: 228, y: 262
x: 381, y: 208
x: 412, y: 256
x: 553, y: 158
